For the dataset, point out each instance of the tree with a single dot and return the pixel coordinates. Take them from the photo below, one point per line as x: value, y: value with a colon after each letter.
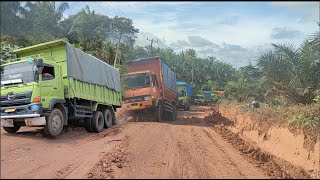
x: 290, y: 72
x: 89, y: 29
x: 11, y: 17
x: 123, y: 27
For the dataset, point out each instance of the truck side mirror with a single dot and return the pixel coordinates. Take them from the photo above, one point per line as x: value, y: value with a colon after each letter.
x: 39, y: 64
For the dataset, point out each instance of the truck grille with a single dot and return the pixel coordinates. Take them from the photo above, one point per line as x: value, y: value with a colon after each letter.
x: 19, y: 99
x: 134, y: 99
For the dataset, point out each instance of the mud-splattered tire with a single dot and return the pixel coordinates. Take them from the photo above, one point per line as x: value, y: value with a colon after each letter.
x: 12, y: 129
x: 158, y: 112
x: 114, y: 118
x: 97, y: 122
x: 107, y: 118
x: 173, y: 114
x: 88, y: 124
x: 55, y: 123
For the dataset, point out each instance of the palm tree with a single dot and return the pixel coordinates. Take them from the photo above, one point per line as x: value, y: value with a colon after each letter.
x: 291, y: 72
x: 315, y: 38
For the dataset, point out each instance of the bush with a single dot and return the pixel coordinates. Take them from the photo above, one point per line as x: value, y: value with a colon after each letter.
x: 309, y: 120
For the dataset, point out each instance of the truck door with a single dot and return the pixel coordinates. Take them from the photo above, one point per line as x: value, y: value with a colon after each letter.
x: 51, y: 84
x: 154, y: 84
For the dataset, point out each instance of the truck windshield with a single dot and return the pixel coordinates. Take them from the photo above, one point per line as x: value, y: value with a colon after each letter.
x: 135, y: 81
x: 23, y: 72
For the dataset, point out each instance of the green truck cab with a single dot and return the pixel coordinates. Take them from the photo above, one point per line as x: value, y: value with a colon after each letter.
x: 53, y: 84
x: 203, y: 98
x: 184, y: 95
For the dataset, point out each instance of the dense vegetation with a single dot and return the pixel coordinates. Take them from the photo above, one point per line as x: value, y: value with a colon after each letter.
x: 286, y: 73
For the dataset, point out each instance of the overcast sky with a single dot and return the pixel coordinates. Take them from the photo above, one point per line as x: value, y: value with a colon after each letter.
x: 234, y: 32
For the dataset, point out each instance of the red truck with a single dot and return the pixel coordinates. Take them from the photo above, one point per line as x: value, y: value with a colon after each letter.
x: 151, y: 87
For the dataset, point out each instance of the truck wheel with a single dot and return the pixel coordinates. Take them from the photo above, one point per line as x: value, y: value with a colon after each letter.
x: 174, y: 113
x: 114, y: 119
x: 97, y: 122
x: 158, y: 112
x: 55, y: 123
x: 88, y: 124
x: 107, y: 118
x: 12, y: 129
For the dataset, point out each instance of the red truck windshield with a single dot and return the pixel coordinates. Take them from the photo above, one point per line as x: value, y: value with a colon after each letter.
x: 135, y: 81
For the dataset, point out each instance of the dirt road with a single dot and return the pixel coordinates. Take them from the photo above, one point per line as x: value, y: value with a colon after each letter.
x: 186, y: 148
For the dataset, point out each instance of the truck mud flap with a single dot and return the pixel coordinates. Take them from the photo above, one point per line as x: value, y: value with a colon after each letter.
x: 168, y: 106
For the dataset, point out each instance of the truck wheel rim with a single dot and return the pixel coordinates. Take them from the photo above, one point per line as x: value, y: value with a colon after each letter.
x: 56, y: 122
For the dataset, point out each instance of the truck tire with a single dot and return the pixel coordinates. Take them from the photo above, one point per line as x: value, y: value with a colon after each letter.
x: 174, y: 113
x: 97, y: 122
x: 55, y: 123
x: 107, y: 118
x: 114, y: 119
x: 158, y: 112
x: 88, y: 124
x: 12, y: 129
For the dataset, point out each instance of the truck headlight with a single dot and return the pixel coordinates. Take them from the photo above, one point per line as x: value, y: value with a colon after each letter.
x: 147, y: 98
x: 34, y: 107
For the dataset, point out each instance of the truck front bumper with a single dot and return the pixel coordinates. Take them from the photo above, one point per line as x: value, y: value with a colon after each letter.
x: 34, y: 120
x: 22, y: 114
x: 138, y: 105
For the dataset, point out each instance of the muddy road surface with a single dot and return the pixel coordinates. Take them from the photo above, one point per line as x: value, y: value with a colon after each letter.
x: 186, y: 148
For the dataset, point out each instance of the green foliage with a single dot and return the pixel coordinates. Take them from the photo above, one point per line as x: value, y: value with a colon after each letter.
x: 123, y: 70
x: 7, y: 51
x: 291, y: 73
x: 247, y: 84
x: 189, y: 68
x: 309, y: 120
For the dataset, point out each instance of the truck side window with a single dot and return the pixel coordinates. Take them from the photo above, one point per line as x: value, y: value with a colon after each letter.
x: 48, y: 73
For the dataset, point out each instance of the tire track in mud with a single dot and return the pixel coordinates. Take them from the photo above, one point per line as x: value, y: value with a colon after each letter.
x: 117, y: 158
x: 64, y: 172
x: 224, y: 151
x: 197, y: 164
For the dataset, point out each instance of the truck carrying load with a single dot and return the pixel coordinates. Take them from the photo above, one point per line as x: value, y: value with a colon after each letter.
x: 57, y: 79
x: 152, y: 64
x: 184, y: 93
x: 151, y: 84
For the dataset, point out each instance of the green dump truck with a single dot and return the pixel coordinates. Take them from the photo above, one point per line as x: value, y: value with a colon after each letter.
x: 53, y: 84
x: 203, y: 98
